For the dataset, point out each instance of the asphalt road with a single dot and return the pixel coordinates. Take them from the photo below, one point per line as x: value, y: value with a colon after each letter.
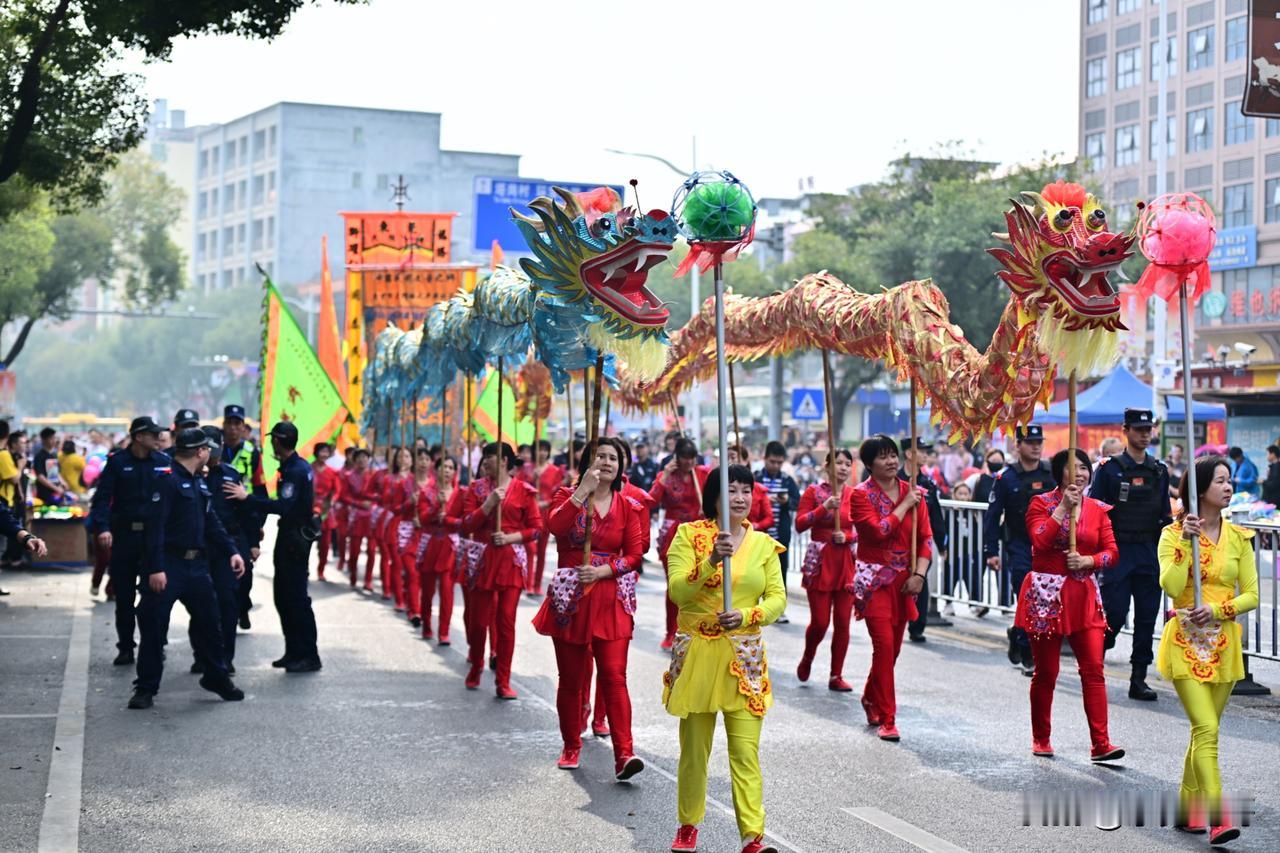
x: 385, y: 751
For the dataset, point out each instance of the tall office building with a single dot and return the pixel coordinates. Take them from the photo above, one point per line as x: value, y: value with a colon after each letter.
x: 1212, y: 149
x: 269, y: 185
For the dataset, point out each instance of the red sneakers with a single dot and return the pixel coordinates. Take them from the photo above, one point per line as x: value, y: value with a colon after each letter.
x: 600, y: 728
x: 427, y: 633
x: 686, y: 839
x: 888, y: 731
x: 667, y: 642
x: 1108, y: 753
x: 473, y: 676
x: 1042, y: 748
x: 568, y: 759
x: 1223, y: 834
x: 626, y: 767
x: 802, y: 671
x: 839, y: 685
x: 505, y: 692
x: 757, y: 845
x: 873, y: 719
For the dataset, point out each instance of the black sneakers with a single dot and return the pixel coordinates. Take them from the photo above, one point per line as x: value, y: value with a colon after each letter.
x: 303, y: 665
x: 125, y: 658
x: 141, y: 700
x: 224, y: 687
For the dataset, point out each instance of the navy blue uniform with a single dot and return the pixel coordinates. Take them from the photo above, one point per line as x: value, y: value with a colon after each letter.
x: 1138, y: 493
x: 242, y: 525
x: 1006, y: 520
x: 182, y: 532
x: 295, y: 505
x: 121, y: 506
x: 916, y: 628
x: 256, y: 520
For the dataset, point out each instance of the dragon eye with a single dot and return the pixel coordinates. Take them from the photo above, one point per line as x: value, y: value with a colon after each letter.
x: 602, y: 226
x: 1063, y: 218
x: 1097, y: 218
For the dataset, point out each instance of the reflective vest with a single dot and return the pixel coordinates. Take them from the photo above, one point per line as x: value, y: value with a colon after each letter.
x: 243, y: 460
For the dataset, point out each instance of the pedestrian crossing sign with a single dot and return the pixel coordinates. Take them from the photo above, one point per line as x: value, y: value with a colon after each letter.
x: 808, y: 404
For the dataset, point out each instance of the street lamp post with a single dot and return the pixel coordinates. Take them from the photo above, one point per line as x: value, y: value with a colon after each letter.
x: 694, y: 419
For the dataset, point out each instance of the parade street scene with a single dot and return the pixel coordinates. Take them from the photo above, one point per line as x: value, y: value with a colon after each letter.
x: 580, y: 428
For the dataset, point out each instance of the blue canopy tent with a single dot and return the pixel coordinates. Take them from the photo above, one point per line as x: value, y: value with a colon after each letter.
x: 1105, y: 402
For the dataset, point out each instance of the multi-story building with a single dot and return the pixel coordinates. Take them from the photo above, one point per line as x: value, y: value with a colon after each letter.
x: 269, y: 185
x: 1210, y: 148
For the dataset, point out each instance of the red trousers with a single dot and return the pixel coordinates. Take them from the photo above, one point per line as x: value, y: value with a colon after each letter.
x: 429, y: 579
x: 886, y: 643
x: 539, y: 565
x: 821, y: 607
x: 410, y: 597
x: 388, y: 565
x: 493, y: 609
x: 572, y: 660
x: 360, y: 535
x: 601, y: 708
x: 333, y: 529
x: 1087, y: 646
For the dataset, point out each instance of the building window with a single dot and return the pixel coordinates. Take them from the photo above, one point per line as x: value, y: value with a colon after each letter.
x: 357, y: 135
x: 229, y: 197
x: 1127, y: 148
x: 228, y: 238
x: 271, y: 141
x: 1239, y: 127
x: 1128, y: 68
x: 1169, y: 59
x: 257, y: 235
x: 259, y: 145
x: 271, y: 231
x: 356, y: 180
x: 229, y: 155
x: 1200, y: 130
x: 204, y: 163
x: 1200, y: 48
x: 244, y: 150
x: 242, y: 195
x: 213, y: 202
x: 1097, y: 11
x: 259, y: 189
x: 1124, y: 7
x: 227, y: 279
x: 1237, y: 203
x: 202, y: 205
x: 1095, y: 151
x: 1095, y: 77
x: 240, y: 231
x: 1171, y: 137
x: 200, y: 246
x: 1237, y: 30
x: 1271, y: 201
x: 382, y: 182
x: 271, y: 187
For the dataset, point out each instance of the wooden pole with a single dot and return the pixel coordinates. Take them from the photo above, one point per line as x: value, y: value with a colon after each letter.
x: 444, y: 422
x: 502, y: 456
x: 466, y: 429
x: 675, y: 411
x: 914, y: 473
x: 593, y: 434
x: 733, y: 399
x: 831, y: 434
x: 1071, y: 455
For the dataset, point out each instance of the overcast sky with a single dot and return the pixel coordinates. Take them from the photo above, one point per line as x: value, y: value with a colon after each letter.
x: 773, y: 91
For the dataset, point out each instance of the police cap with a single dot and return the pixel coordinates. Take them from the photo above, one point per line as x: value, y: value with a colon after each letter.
x: 214, y: 434
x: 286, y: 431
x: 1138, y: 418
x: 192, y: 438
x: 145, y: 423
x: 1030, y: 432
x: 233, y: 411
x: 186, y: 418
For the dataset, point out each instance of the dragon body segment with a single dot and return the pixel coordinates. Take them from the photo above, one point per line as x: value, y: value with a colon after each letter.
x: 1063, y: 315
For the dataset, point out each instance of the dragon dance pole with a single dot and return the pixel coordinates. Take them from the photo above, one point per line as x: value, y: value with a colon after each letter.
x: 914, y: 473
x: 831, y: 431
x: 466, y: 425
x: 722, y: 380
x: 444, y: 422
x: 502, y: 456
x: 593, y: 435
x: 1071, y: 454
x: 675, y: 412
x: 1193, y: 494
x: 733, y: 398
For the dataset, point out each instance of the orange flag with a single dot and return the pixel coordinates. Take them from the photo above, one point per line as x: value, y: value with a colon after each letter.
x: 497, y: 256
x: 328, y: 346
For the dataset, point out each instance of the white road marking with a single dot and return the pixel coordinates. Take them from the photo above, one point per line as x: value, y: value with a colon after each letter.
x: 899, y: 828
x: 35, y: 636
x: 27, y: 716
x: 60, y: 824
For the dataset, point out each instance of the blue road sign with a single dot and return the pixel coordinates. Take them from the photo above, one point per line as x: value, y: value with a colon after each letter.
x: 808, y: 404
x: 496, y: 194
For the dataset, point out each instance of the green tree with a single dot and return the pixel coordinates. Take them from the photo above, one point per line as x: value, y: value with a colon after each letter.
x: 65, y: 115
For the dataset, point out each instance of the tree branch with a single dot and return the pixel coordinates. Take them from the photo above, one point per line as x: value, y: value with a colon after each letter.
x: 18, y: 344
x: 24, y: 117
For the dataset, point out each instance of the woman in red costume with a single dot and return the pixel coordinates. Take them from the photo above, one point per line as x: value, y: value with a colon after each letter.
x: 409, y: 533
x: 885, y: 584
x: 589, y: 611
x: 377, y: 523
x: 827, y: 571
x: 501, y: 572
x: 327, y: 487
x: 359, y: 515
x: 548, y: 480
x: 677, y: 491
x: 1060, y: 599
x: 394, y: 492
x: 438, y: 547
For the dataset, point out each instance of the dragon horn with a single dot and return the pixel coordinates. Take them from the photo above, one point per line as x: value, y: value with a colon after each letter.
x: 1037, y: 200
x: 571, y: 205
x: 529, y: 220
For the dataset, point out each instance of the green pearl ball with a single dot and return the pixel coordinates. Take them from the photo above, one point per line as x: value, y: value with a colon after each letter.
x: 717, y: 211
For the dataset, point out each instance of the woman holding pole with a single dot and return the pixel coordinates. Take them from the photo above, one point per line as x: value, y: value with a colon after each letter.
x: 827, y: 571
x: 439, y: 549
x: 718, y: 663
x: 1060, y: 598
x: 1200, y: 650
x: 590, y: 610
x: 885, y: 582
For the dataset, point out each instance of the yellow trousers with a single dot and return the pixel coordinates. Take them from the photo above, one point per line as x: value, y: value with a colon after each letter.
x: 743, y: 730
x: 1204, y: 704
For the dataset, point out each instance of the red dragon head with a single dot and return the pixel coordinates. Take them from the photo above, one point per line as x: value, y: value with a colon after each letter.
x: 1060, y: 255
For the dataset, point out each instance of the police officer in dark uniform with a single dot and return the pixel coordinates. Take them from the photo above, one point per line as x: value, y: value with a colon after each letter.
x: 118, y: 517
x: 185, y: 419
x: 182, y: 535
x: 1006, y: 520
x: 243, y: 530
x: 297, y: 529
x: 239, y: 452
x: 1136, y: 485
x: 915, y: 630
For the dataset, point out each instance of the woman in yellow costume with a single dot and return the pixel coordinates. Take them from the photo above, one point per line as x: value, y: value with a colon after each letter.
x: 1200, y: 650
x: 718, y: 661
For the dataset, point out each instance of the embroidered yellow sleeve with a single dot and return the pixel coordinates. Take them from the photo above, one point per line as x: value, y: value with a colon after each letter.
x: 688, y: 569
x: 1175, y: 560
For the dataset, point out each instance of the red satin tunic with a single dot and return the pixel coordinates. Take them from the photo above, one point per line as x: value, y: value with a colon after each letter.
x: 679, y: 499
x: 500, y: 567
x: 1047, y: 605
x: 352, y: 494
x: 620, y: 534
x: 761, y: 513
x: 884, y: 540
x: 835, y: 570
x: 440, y: 555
